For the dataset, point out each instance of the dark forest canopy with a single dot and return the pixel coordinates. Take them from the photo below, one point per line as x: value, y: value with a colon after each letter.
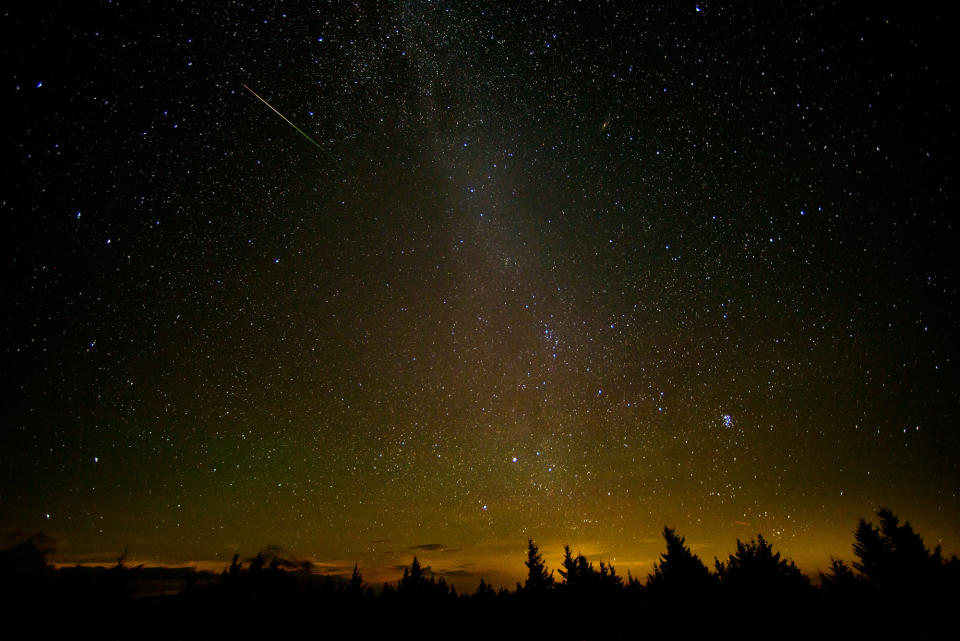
x: 892, y: 569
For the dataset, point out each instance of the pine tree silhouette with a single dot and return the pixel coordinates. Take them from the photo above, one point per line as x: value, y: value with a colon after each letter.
x: 484, y: 592
x: 896, y: 572
x: 577, y: 572
x: 539, y: 580
x: 235, y: 566
x: 414, y: 580
x: 608, y: 579
x: 893, y: 556
x: 755, y: 568
x: 355, y: 587
x: 840, y: 576
x: 257, y: 563
x: 568, y: 565
x: 756, y: 574
x: 679, y: 571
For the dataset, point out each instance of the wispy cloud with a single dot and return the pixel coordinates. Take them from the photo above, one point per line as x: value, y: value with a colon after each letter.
x: 431, y: 547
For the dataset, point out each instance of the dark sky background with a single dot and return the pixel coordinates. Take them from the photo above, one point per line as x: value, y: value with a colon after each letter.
x: 571, y: 271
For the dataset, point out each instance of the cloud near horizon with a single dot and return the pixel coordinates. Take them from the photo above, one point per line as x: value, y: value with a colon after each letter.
x: 432, y: 547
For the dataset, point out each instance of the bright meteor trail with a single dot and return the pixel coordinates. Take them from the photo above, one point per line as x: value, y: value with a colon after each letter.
x: 285, y: 118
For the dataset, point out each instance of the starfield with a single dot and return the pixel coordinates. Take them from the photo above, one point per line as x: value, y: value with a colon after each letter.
x: 340, y: 284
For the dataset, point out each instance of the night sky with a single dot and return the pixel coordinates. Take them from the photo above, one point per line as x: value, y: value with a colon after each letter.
x: 572, y: 272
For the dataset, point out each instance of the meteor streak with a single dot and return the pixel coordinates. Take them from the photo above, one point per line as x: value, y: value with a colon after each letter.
x: 285, y: 119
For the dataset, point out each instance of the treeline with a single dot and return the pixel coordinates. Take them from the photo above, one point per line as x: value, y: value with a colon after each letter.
x: 895, y: 587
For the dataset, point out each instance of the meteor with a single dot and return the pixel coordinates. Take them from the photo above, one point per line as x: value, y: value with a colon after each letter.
x: 285, y: 119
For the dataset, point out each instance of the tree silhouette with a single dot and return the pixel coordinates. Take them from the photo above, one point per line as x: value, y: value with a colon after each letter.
x: 484, y: 592
x: 235, y: 566
x: 27, y: 557
x: 539, y: 580
x: 755, y: 567
x: 24, y: 571
x: 893, y: 555
x: 355, y: 587
x: 840, y: 577
x: 257, y: 563
x: 895, y: 587
x: 568, y: 569
x: 608, y: 578
x: 414, y: 581
x: 116, y: 583
x: 576, y: 571
x: 895, y: 572
x: 755, y: 572
x: 582, y: 578
x: 679, y: 571
x: 634, y: 585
